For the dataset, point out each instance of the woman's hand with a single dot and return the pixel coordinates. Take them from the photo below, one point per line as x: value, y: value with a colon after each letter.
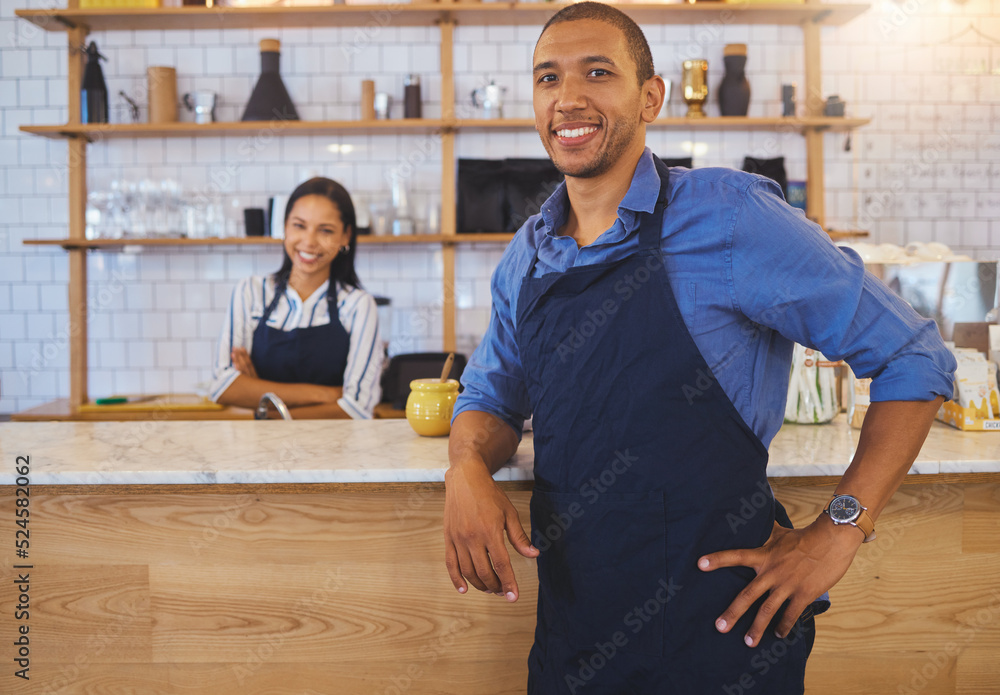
x: 242, y: 362
x: 247, y: 393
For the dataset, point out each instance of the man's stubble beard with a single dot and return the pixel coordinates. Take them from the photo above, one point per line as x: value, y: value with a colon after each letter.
x: 619, y: 138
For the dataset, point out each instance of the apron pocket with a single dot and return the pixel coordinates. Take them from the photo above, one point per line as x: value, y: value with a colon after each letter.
x: 602, y: 570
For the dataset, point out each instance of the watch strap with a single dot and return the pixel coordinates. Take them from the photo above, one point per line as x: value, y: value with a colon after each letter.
x: 867, y: 526
x: 863, y: 522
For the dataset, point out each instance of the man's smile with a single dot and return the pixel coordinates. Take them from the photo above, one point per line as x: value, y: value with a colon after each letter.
x: 575, y: 133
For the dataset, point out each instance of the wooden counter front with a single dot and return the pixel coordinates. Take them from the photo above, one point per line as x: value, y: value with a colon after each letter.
x: 345, y: 592
x: 339, y: 588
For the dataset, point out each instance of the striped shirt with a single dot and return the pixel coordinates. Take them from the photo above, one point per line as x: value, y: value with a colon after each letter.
x: 356, y: 310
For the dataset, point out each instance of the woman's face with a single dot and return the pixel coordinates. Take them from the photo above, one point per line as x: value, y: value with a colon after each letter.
x: 314, y: 234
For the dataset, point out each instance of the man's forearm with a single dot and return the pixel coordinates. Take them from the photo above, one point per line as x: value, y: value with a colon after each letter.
x: 891, y: 437
x: 478, y: 437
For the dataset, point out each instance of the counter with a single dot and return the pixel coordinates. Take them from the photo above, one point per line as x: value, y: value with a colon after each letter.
x: 307, y: 557
x: 332, y: 451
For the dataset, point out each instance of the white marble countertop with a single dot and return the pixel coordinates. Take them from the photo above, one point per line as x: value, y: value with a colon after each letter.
x: 199, y: 452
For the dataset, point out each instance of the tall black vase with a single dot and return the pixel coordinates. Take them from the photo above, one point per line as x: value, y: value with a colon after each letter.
x: 269, y: 100
x: 94, y: 90
x: 734, y: 92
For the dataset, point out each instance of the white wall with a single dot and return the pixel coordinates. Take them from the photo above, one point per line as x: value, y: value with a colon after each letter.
x: 925, y: 169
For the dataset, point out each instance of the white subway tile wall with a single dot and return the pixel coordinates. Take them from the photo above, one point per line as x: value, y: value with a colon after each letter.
x: 926, y: 168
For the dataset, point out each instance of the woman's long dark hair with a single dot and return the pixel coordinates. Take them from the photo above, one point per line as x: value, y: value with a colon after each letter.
x: 342, y: 267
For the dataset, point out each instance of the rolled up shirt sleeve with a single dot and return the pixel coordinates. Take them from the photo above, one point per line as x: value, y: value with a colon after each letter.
x: 362, y: 388
x: 493, y: 380
x: 237, y: 331
x: 789, y: 276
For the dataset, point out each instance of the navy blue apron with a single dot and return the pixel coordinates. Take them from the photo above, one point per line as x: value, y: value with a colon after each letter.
x: 642, y: 465
x: 314, y: 355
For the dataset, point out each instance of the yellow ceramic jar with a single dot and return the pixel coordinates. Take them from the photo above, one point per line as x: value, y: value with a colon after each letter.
x: 429, y: 406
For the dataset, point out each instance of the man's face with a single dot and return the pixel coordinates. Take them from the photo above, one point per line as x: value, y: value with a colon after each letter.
x: 588, y: 103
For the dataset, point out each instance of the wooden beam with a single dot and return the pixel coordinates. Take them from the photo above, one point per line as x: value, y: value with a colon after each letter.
x: 815, y: 184
x: 448, y: 202
x: 77, y: 200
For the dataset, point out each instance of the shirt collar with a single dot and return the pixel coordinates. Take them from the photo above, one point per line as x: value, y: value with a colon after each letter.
x: 640, y: 197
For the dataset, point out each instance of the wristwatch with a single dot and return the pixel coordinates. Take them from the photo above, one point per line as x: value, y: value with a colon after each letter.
x: 846, y: 509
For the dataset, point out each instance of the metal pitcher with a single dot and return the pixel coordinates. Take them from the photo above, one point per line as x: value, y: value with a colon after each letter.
x: 489, y: 99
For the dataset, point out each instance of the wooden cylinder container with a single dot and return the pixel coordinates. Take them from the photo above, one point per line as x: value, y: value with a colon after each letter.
x: 162, y: 85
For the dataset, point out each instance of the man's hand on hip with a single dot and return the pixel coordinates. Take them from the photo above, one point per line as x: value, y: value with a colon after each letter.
x: 794, y: 565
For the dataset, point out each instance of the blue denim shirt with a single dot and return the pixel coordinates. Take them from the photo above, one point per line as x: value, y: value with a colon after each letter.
x: 751, y: 276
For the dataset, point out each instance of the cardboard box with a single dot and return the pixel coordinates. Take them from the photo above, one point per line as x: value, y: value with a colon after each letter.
x: 953, y: 414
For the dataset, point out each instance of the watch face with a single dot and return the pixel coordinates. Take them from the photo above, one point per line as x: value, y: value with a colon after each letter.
x: 844, y: 509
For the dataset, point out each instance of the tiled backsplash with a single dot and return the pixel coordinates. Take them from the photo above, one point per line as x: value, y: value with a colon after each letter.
x: 926, y: 168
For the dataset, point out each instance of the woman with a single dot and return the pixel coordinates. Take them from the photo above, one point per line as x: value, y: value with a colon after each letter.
x: 307, y: 333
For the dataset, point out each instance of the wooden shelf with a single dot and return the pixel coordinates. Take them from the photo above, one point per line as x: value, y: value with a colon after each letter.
x: 98, y: 244
x: 265, y: 241
x: 797, y: 125
x: 95, y: 132
x: 419, y: 14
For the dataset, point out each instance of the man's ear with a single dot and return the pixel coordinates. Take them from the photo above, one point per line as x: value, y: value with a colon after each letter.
x: 653, y: 93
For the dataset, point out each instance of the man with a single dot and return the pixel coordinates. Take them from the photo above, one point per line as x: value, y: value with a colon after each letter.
x: 645, y: 318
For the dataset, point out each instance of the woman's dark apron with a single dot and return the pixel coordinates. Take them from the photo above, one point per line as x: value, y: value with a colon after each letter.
x: 642, y: 465
x: 313, y: 355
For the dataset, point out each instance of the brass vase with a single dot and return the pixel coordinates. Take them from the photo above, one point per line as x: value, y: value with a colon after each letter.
x: 695, y: 85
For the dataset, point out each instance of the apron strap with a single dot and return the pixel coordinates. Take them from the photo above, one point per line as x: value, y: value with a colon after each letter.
x: 331, y: 301
x: 651, y: 225
x: 279, y: 289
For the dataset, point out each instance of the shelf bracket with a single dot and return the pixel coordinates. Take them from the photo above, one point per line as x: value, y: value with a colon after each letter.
x: 65, y: 22
x: 76, y: 136
x: 820, y: 16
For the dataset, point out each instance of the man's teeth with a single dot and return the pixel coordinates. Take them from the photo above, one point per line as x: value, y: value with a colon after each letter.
x: 575, y: 132
x: 308, y: 256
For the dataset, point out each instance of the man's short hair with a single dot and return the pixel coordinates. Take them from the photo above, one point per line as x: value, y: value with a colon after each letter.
x: 635, y: 40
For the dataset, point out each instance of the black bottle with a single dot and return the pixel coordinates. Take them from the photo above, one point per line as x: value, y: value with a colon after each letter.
x: 269, y: 100
x: 94, y: 93
x: 411, y: 97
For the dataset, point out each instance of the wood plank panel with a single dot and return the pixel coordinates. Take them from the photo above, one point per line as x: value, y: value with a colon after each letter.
x: 255, y: 676
x: 294, y: 592
x: 977, y: 672
x: 867, y: 674
x: 300, y: 529
x: 981, y: 520
x: 357, y: 611
x: 101, y: 611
